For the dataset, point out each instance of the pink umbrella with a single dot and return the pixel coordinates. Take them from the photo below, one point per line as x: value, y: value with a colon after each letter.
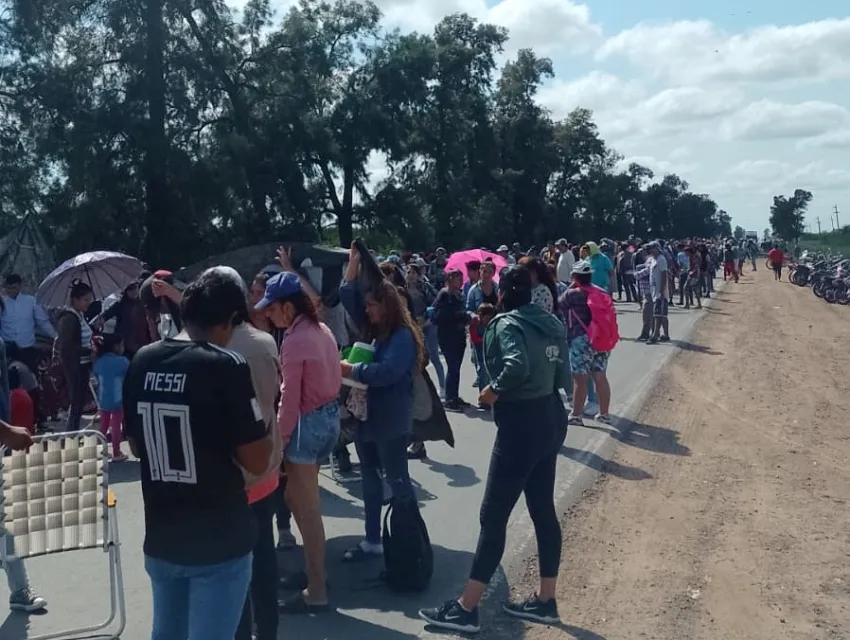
x: 459, y: 259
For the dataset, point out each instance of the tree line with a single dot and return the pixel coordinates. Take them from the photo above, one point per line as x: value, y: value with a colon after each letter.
x: 174, y: 130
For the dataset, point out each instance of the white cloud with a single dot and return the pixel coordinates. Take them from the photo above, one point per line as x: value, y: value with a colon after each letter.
x: 832, y: 140
x: 766, y: 120
x: 598, y: 91
x: 699, y: 52
x: 773, y: 176
x: 546, y: 25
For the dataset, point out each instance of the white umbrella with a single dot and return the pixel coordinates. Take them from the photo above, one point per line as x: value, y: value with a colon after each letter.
x: 106, y: 272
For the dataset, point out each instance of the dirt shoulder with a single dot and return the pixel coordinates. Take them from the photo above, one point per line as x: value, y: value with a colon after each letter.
x: 739, y: 527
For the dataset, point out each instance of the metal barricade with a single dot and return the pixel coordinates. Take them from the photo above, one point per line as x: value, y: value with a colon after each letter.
x: 56, y: 498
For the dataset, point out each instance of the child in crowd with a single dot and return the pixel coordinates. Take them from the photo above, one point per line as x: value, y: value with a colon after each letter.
x: 110, y: 368
x: 483, y: 315
x: 26, y: 376
x: 21, y: 407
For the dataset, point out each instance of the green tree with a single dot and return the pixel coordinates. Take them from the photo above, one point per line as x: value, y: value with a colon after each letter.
x: 788, y: 214
x: 176, y: 129
x: 738, y: 233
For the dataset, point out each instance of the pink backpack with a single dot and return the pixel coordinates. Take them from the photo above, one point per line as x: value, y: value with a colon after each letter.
x: 603, y: 332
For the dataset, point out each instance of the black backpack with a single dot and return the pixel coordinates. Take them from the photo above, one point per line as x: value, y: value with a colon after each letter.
x: 408, y: 556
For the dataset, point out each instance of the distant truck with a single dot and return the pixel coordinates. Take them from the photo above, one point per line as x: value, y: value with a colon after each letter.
x: 752, y: 235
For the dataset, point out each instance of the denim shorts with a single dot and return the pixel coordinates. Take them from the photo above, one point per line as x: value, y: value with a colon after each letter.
x: 584, y: 359
x: 315, y: 436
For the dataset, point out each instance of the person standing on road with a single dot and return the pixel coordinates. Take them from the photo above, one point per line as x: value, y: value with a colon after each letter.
x: 566, y: 260
x: 451, y: 318
x: 659, y: 283
x: 626, y: 274
x: 730, y: 262
x: 524, y: 351
x: 693, y: 282
x: 383, y: 437
x: 199, y: 529
x: 308, y: 422
x: 586, y: 363
x: 775, y: 257
x: 644, y: 287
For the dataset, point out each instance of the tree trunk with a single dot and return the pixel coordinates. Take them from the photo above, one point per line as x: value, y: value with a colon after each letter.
x: 157, y: 243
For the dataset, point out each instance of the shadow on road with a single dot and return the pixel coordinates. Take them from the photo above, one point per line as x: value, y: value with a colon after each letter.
x: 696, y: 348
x: 357, y: 586
x: 504, y: 628
x: 644, y: 436
x: 124, y: 472
x: 600, y: 464
x: 459, y: 475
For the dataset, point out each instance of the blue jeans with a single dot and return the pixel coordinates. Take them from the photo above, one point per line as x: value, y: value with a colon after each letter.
x: 198, y: 602
x: 391, y: 456
x: 316, y: 435
x: 434, y: 353
x: 453, y: 354
x: 480, y: 369
x: 16, y: 573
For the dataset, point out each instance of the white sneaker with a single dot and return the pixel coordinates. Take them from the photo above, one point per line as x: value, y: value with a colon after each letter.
x: 604, y: 418
x: 591, y: 409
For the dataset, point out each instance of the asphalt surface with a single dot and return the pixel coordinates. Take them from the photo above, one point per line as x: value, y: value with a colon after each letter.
x: 450, y: 484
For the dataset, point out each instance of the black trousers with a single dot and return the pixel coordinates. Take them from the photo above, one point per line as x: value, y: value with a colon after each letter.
x: 523, y: 461
x: 261, y: 603
x: 77, y: 376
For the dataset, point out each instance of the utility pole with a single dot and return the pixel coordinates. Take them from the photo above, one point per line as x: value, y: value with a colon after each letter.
x: 818, y: 221
x: 835, y: 213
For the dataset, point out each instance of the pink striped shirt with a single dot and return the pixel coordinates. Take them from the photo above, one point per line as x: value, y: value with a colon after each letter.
x: 311, y: 375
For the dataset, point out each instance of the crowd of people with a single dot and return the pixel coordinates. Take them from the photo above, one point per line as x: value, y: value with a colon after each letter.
x: 229, y: 392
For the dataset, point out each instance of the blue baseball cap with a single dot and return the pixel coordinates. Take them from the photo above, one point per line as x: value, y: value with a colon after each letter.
x: 280, y: 285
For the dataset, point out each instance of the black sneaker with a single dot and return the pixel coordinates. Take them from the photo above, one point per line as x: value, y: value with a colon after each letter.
x: 416, y: 451
x: 452, y: 617
x: 293, y: 582
x: 29, y: 601
x: 643, y: 337
x: 453, y: 405
x: 664, y: 339
x: 534, y: 610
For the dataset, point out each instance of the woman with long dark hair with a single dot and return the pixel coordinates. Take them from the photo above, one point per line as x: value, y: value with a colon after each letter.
x: 544, y: 292
x: 75, y: 350
x: 524, y: 352
x: 382, y: 438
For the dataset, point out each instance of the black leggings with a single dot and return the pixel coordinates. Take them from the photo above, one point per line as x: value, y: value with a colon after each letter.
x: 523, y: 460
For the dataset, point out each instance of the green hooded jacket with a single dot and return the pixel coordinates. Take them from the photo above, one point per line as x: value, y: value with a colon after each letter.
x: 525, y: 354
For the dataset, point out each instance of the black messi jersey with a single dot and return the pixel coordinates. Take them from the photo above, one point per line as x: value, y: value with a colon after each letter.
x: 187, y: 407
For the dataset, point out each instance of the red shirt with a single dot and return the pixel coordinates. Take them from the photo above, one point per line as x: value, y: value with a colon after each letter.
x: 775, y: 256
x: 22, y: 412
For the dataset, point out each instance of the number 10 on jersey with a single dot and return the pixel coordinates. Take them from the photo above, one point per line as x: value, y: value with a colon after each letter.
x: 168, y: 439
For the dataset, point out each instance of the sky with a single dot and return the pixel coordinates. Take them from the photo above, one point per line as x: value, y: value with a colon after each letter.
x: 742, y: 100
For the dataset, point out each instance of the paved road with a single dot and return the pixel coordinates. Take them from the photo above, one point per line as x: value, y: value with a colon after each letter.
x: 450, y: 485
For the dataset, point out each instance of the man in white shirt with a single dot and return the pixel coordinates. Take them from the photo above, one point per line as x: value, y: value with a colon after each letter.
x: 660, y: 290
x: 566, y: 259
